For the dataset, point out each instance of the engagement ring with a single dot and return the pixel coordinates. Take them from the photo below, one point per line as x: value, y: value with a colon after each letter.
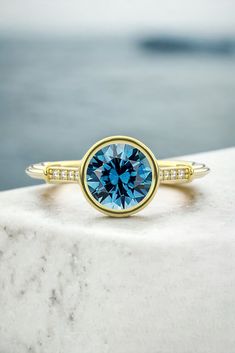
x: 119, y: 175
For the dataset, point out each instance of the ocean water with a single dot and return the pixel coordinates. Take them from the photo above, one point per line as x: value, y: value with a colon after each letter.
x: 60, y: 95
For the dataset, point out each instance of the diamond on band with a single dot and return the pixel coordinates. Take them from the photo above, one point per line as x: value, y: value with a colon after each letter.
x: 59, y: 174
x: 166, y: 174
x: 175, y: 174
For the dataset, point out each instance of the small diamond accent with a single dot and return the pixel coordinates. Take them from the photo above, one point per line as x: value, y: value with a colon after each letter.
x: 166, y: 174
x: 76, y: 175
x: 71, y: 175
x: 56, y: 174
x: 64, y: 174
x: 173, y: 174
x: 181, y: 173
x: 61, y: 174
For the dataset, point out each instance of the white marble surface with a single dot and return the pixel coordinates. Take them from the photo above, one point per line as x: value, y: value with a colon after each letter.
x: 163, y: 281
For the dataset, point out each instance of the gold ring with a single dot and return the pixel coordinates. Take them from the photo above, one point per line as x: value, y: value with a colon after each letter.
x: 119, y: 175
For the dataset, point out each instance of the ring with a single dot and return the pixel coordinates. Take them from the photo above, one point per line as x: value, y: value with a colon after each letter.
x: 118, y: 175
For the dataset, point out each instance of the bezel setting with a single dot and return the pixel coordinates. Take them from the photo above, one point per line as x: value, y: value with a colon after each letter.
x: 151, y: 160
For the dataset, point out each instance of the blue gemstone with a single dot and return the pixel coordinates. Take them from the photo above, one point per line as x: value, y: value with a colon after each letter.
x: 119, y: 176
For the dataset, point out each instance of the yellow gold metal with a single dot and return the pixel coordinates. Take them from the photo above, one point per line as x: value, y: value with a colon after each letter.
x: 164, y: 172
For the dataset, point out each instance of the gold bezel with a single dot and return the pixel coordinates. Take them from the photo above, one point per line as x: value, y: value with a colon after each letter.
x: 153, y: 164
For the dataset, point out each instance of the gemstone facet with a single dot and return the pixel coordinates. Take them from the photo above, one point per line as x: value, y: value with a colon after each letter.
x: 119, y: 176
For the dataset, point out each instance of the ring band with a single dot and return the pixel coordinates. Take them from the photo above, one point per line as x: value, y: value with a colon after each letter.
x: 119, y: 175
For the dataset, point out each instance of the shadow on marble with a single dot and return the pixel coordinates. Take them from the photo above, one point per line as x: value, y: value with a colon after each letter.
x: 173, y: 201
x: 189, y: 196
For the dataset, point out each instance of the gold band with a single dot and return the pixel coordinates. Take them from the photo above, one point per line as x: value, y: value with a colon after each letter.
x: 171, y: 172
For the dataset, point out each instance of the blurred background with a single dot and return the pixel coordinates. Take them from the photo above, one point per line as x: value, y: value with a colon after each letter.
x: 72, y: 72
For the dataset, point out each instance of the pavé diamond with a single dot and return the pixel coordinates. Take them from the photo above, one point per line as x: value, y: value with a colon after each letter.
x: 166, y: 174
x: 119, y: 176
x: 173, y: 174
x: 56, y: 174
x: 181, y: 173
x: 71, y: 174
x: 64, y: 174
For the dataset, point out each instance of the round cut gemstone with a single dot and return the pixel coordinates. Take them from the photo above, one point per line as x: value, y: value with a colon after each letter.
x: 119, y: 176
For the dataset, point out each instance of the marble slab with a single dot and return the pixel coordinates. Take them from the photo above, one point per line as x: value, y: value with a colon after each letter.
x: 163, y: 281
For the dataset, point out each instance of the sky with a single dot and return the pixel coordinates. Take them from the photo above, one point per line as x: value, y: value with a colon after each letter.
x: 207, y: 16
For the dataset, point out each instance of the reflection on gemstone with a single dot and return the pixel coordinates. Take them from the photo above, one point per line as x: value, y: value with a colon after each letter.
x: 119, y: 176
